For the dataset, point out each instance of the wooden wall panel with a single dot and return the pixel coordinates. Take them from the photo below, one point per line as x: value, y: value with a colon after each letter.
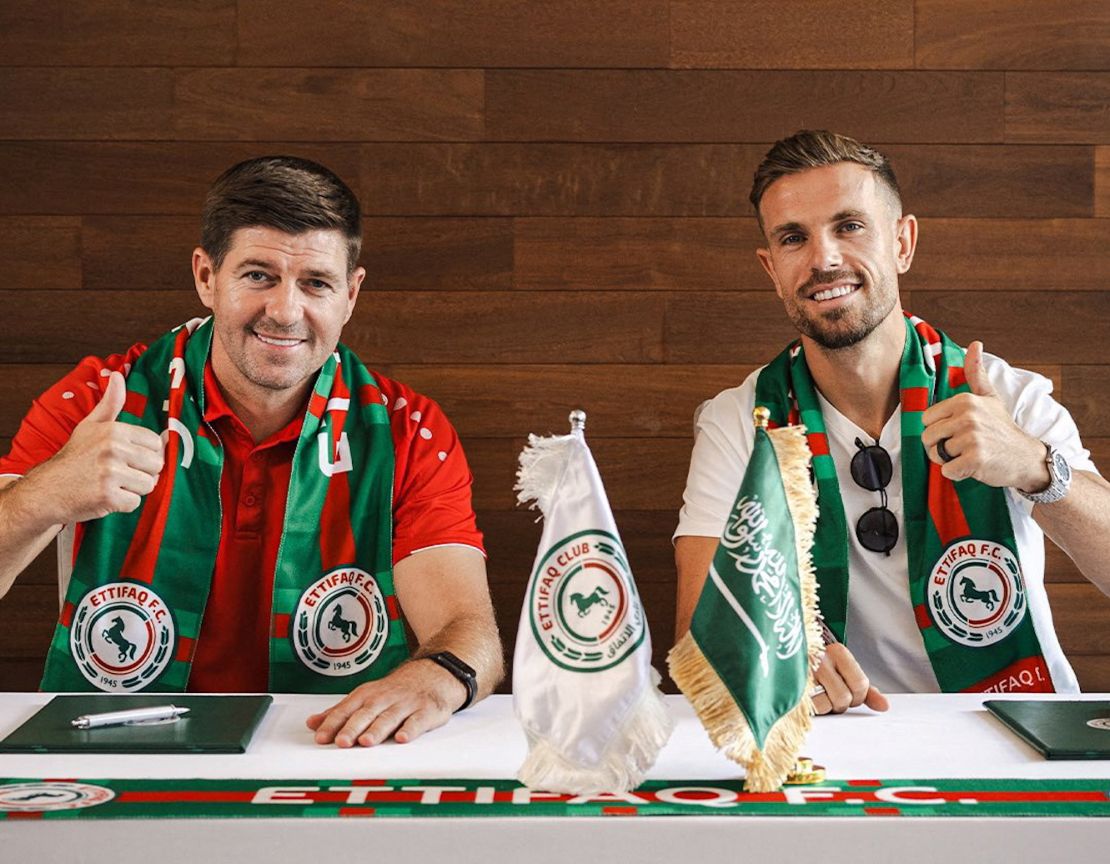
x: 590, y: 254
x: 1102, y: 182
x: 41, y: 252
x: 557, y: 215
x: 87, y: 104
x: 117, y: 32
x: 651, y: 401
x: 792, y: 34
x: 1011, y: 255
x: 1003, y: 34
x: 658, y: 105
x: 1030, y: 327
x: 348, y: 104
x: 482, y: 33
x: 1058, y: 107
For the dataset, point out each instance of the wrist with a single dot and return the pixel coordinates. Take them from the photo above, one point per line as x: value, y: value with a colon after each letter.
x: 464, y: 676
x: 1036, y: 478
x: 26, y: 508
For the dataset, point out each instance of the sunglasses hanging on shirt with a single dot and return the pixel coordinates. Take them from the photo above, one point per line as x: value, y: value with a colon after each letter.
x: 877, y: 529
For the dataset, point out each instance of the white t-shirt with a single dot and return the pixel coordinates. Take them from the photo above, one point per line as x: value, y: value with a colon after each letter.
x: 880, y: 630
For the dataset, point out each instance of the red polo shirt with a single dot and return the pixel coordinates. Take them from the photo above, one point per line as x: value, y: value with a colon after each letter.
x: 431, y: 504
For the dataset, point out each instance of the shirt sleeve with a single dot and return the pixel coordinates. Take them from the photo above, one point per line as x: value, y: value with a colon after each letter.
x: 432, y: 481
x: 723, y: 444
x: 54, y: 415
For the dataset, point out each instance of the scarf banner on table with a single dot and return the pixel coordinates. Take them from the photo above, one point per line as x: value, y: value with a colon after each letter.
x: 746, y: 663
x: 583, y: 686
x: 34, y: 799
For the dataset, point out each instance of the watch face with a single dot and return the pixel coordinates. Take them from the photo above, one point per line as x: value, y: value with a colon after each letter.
x: 1060, y: 467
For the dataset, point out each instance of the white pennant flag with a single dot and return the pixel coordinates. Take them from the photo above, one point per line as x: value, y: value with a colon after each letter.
x: 583, y: 686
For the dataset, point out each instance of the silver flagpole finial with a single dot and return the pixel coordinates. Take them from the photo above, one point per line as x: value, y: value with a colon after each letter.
x: 577, y: 421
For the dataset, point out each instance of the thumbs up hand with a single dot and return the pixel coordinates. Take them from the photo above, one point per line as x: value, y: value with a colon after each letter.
x: 973, y: 435
x: 105, y: 467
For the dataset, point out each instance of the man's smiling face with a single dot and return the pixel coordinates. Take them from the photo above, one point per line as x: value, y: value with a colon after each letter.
x: 836, y: 244
x: 279, y: 302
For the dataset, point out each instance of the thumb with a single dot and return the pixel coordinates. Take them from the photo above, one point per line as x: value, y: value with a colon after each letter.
x: 111, y: 403
x: 973, y: 369
x: 875, y: 700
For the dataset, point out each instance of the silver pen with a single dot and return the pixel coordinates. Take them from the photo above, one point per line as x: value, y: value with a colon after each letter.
x: 132, y: 715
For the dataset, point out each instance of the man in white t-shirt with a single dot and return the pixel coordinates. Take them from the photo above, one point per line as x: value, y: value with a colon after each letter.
x: 925, y: 599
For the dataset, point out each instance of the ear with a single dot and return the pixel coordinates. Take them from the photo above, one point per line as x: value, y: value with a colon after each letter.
x: 764, y: 256
x: 354, y: 283
x: 204, y: 277
x: 905, y: 242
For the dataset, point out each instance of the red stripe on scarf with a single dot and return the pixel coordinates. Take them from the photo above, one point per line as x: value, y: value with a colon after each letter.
x: 818, y: 443
x: 134, y: 403
x: 368, y: 394
x: 146, y: 543
x: 921, y: 614
x: 915, y: 398
x: 66, y: 618
x: 280, y: 626
x: 1025, y: 676
x: 957, y: 376
x: 317, y: 404
x: 185, y: 647
x: 337, y: 541
x: 391, y: 608
x: 945, y: 507
x: 927, y: 332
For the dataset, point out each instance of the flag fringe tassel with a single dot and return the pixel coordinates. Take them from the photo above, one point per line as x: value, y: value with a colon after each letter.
x: 631, y: 752
x: 542, y: 464
x: 724, y: 721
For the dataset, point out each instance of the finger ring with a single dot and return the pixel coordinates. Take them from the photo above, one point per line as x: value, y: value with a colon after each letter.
x: 817, y: 690
x: 942, y: 451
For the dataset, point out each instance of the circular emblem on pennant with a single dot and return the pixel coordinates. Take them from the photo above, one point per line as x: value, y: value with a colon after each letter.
x: 976, y: 594
x: 341, y: 623
x: 586, y: 615
x: 37, y: 797
x: 122, y: 636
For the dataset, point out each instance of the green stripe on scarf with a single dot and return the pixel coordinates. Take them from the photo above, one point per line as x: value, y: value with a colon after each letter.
x: 954, y: 531
x: 141, y: 580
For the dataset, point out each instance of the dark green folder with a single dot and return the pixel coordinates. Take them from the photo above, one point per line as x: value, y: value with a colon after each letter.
x: 214, y: 724
x: 1059, y: 730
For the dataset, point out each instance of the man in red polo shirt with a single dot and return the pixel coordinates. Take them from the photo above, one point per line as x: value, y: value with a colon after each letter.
x: 243, y: 506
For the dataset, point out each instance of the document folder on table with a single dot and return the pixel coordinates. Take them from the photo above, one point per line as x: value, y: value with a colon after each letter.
x: 214, y: 724
x: 1059, y: 730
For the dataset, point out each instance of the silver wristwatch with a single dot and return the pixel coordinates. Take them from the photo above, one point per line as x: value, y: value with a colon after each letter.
x: 1060, y: 472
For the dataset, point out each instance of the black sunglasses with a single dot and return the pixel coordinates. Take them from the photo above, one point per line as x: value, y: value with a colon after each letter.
x: 877, y: 529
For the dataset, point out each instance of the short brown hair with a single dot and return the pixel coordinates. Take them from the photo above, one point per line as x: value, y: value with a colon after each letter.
x: 816, y: 148
x: 283, y: 192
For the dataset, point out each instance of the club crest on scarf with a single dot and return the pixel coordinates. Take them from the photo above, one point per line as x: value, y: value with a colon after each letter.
x: 586, y: 615
x: 342, y: 622
x: 976, y: 593
x: 122, y: 636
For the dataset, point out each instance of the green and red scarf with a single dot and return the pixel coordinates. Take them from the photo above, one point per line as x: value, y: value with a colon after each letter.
x: 966, y: 586
x: 141, y: 580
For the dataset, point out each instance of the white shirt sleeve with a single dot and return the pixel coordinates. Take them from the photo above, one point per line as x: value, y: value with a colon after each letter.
x: 723, y: 439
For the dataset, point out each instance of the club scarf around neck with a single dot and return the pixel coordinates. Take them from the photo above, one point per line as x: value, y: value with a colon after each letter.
x: 141, y: 580
x: 965, y: 581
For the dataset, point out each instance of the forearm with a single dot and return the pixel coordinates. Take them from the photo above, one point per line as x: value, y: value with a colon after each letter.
x: 474, y: 640
x: 24, y: 529
x: 1080, y: 525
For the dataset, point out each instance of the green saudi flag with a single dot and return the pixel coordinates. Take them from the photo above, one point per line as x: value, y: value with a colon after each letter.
x: 746, y: 663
